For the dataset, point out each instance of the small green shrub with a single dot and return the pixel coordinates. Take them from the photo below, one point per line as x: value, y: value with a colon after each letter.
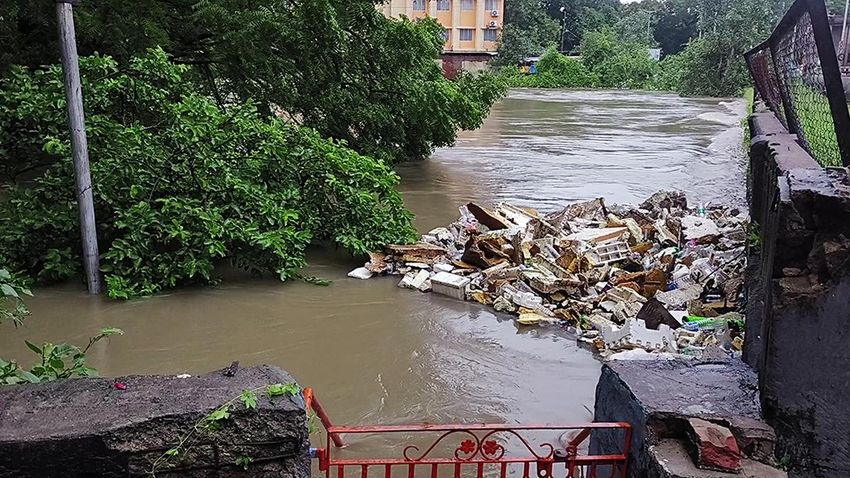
x: 55, y: 361
x: 12, y: 307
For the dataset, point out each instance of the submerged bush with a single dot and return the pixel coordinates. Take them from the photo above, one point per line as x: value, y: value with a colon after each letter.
x: 179, y: 182
x: 554, y: 71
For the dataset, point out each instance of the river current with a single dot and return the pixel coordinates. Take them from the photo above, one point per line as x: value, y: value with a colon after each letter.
x: 377, y: 354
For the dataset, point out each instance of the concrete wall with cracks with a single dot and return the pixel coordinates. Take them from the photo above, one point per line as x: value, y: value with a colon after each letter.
x: 89, y: 427
x: 798, y: 299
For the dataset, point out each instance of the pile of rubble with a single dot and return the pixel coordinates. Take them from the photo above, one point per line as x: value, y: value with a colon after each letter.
x: 659, y: 277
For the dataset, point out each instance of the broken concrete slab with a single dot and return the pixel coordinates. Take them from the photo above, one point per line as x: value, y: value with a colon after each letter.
x: 665, y: 202
x: 90, y: 427
x: 414, y: 279
x: 670, y: 459
x: 677, y: 299
x: 700, y: 229
x: 657, y: 398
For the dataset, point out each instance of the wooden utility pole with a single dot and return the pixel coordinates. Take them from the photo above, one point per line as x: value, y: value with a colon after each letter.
x: 79, y: 143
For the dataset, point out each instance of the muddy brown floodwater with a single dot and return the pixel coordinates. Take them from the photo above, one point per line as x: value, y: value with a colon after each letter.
x: 376, y: 354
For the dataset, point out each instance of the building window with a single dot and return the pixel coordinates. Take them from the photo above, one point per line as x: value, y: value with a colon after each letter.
x: 491, y: 5
x: 465, y: 34
x: 419, y: 5
x: 445, y: 35
x: 467, y: 5
x: 491, y: 34
x: 444, y: 5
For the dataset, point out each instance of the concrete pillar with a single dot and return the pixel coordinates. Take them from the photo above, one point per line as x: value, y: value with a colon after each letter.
x: 408, y: 8
x: 480, y: 24
x: 432, y: 8
x: 455, y: 24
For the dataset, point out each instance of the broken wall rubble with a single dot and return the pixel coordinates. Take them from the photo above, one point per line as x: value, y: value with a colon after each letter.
x: 592, y: 268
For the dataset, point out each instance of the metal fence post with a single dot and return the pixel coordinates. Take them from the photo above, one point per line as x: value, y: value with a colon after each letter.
x: 831, y: 76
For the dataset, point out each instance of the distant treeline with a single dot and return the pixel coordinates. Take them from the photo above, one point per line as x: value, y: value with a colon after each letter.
x: 701, y: 41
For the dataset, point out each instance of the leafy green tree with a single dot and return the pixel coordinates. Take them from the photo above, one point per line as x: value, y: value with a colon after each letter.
x: 337, y: 66
x: 572, y: 72
x: 577, y: 17
x: 617, y: 64
x: 676, y: 26
x: 599, y: 46
x: 182, y: 184
x: 528, y: 31
x: 638, y: 21
x: 713, y: 64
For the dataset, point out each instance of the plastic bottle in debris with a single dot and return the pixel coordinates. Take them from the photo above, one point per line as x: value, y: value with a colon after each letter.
x: 701, y: 210
x: 695, y: 323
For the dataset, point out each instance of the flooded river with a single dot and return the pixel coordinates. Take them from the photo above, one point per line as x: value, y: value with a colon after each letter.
x: 376, y: 354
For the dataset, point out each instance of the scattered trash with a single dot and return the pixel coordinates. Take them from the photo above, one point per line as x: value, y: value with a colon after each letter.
x: 661, y: 278
x: 120, y: 385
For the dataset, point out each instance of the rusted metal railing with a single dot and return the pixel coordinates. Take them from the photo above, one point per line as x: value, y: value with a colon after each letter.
x: 796, y: 74
x: 312, y: 404
x: 481, y: 450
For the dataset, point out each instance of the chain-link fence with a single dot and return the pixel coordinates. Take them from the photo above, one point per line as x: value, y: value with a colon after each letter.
x: 796, y: 74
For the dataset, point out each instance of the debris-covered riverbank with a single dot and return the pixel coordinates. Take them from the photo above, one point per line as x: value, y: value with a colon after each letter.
x: 660, y: 277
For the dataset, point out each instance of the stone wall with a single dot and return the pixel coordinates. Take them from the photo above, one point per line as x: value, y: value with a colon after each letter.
x: 120, y: 427
x: 798, y: 307
x: 658, y: 397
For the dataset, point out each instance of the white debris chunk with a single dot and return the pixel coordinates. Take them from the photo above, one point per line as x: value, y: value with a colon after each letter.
x: 361, y: 273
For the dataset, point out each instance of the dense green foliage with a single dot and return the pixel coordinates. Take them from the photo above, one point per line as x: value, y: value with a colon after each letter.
x: 337, y: 66
x: 618, y: 64
x: 180, y: 182
x: 528, y: 31
x: 606, y: 63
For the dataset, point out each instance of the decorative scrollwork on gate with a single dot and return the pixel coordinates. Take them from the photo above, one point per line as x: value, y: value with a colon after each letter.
x: 480, y: 448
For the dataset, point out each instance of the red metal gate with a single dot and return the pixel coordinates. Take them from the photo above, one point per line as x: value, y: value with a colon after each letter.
x: 481, y: 450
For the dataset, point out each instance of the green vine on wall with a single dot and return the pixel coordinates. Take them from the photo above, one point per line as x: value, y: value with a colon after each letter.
x: 206, y: 426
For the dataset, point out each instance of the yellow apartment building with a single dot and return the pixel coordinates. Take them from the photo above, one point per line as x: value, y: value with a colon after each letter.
x: 472, y: 26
